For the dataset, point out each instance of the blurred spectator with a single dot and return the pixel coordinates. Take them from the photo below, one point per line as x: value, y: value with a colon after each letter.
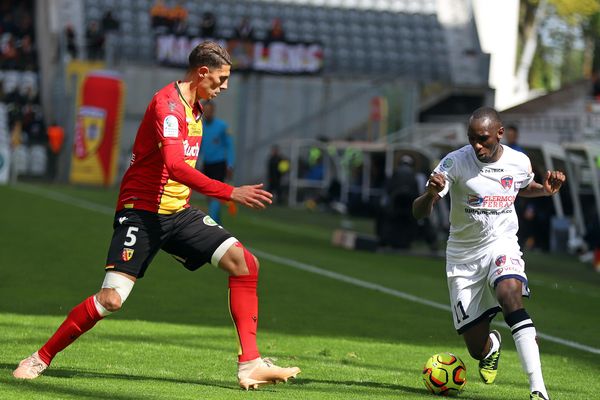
x: 241, y: 46
x: 56, y: 138
x: 217, y: 154
x: 95, y: 41
x: 276, y: 33
x: 276, y: 167
x: 9, y: 53
x: 512, y: 138
x: 160, y: 15
x: 208, y: 25
x: 395, y: 225
x: 27, y: 58
x: 178, y: 18
x: 109, y: 23
x: 71, y: 41
x: 244, y: 30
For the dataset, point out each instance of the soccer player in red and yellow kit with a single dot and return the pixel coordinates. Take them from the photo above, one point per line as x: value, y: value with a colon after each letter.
x: 153, y: 213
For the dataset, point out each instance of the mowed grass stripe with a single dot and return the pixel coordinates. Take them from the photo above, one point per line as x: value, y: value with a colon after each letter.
x: 91, y: 206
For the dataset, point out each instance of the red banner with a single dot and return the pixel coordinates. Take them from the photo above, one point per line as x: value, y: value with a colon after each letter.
x: 98, y: 129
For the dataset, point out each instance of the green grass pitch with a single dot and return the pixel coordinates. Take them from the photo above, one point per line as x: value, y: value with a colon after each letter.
x: 174, y: 338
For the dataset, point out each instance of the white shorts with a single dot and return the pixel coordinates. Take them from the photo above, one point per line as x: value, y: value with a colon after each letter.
x: 472, y: 286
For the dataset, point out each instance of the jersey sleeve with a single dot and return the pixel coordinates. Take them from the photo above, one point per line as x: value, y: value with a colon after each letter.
x: 529, y: 173
x: 183, y: 173
x: 169, y: 122
x: 446, y: 167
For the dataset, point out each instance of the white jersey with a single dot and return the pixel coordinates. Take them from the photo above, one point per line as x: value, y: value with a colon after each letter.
x: 482, y: 197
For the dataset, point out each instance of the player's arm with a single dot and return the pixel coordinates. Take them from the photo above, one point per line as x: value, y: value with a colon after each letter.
x: 252, y: 196
x: 423, y: 205
x: 551, y: 185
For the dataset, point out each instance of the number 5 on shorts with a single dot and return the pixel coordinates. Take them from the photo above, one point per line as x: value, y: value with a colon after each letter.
x: 130, y: 236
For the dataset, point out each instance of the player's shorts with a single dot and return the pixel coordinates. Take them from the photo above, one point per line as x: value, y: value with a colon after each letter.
x: 190, y: 236
x: 472, y: 286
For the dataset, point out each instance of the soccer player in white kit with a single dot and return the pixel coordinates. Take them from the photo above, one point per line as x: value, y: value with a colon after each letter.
x: 485, y: 271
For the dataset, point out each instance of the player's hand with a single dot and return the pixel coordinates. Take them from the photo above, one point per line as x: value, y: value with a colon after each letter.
x: 553, y: 182
x: 252, y: 196
x: 436, y: 183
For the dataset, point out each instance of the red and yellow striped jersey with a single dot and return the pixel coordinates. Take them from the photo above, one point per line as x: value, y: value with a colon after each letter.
x: 165, y: 151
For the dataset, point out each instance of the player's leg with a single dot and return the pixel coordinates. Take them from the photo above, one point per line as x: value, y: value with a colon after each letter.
x: 135, y: 241
x: 198, y: 241
x: 509, y: 292
x: 243, y: 268
x: 484, y: 345
x: 115, y: 289
x: 474, y: 305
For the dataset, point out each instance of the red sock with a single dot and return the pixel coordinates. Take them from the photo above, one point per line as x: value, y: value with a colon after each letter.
x: 243, y: 304
x: 80, y: 320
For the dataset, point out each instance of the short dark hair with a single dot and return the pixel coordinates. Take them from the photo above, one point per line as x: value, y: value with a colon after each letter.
x: 513, y: 127
x: 208, y: 54
x: 486, y: 112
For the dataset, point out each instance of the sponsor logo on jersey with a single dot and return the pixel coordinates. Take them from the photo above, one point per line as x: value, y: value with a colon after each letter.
x: 500, y: 260
x: 509, y: 269
x: 474, y: 200
x: 170, y: 126
x: 209, y: 221
x: 506, y: 181
x: 447, y: 163
x: 191, y: 151
x: 126, y: 254
x: 491, y: 170
x: 172, y: 105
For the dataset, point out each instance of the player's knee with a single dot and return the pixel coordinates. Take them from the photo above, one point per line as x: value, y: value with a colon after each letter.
x: 246, y: 265
x: 115, y: 290
x: 109, y: 299
x: 509, y: 295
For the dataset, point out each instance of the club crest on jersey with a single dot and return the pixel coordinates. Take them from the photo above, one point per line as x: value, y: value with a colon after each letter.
x: 474, y: 200
x: 506, y: 181
x: 126, y: 254
x: 501, y: 260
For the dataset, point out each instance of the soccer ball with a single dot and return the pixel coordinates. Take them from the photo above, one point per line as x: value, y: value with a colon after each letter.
x: 444, y: 374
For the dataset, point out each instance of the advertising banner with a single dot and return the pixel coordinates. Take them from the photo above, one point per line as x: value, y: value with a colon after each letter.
x: 97, y: 129
x: 289, y: 58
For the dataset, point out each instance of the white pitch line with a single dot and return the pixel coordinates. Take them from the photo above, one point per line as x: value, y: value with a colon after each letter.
x: 403, y: 295
x: 87, y: 205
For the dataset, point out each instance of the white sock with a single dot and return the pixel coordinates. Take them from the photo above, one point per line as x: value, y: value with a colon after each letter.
x: 494, y: 347
x: 529, y: 354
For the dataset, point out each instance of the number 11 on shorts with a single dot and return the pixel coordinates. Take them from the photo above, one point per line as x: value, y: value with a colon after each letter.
x: 460, y: 313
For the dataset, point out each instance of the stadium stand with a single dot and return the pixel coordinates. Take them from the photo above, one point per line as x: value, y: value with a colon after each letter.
x: 19, y: 88
x: 395, y: 37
